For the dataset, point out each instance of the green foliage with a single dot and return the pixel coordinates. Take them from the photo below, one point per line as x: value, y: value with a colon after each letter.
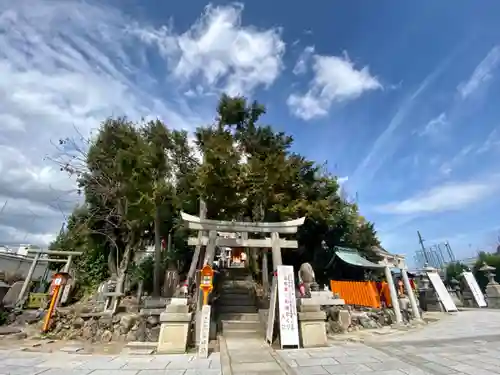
x: 454, y: 270
x: 492, y: 260
x: 131, y: 172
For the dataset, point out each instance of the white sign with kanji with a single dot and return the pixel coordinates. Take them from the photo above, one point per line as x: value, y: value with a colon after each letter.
x: 287, y: 307
x: 205, y: 331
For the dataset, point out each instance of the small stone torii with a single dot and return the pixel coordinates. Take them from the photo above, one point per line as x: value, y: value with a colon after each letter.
x: 38, y: 253
x: 397, y: 261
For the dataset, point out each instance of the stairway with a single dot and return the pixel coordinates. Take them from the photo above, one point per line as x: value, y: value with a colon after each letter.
x: 236, y: 306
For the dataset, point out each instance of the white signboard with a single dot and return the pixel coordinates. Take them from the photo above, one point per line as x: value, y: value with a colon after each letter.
x: 205, y: 332
x: 272, y: 311
x: 442, y: 292
x: 474, y: 288
x: 287, y: 307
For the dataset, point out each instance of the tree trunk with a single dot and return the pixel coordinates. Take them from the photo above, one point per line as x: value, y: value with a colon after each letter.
x: 113, y: 271
x: 122, y: 273
x: 157, y: 268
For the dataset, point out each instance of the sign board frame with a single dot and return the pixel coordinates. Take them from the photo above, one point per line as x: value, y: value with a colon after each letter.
x: 474, y: 288
x: 272, y: 310
x: 287, y: 308
x: 442, y: 292
x: 204, y: 332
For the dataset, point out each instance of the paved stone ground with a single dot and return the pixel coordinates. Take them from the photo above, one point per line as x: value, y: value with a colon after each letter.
x: 465, y: 343
x: 16, y: 362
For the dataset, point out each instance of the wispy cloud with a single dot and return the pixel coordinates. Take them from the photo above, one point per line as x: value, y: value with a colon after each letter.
x: 435, y: 125
x: 482, y: 74
x: 336, y: 79
x: 448, y: 197
x: 301, y: 65
x: 385, y: 145
x: 70, y: 64
x: 492, y: 142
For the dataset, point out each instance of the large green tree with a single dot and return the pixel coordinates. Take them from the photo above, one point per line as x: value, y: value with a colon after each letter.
x: 135, y: 179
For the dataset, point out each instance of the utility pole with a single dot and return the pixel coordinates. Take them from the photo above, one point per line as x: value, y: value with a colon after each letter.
x: 421, y: 241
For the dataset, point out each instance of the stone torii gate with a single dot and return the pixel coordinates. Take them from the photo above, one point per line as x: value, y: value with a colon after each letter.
x: 214, y: 226
x: 211, y: 241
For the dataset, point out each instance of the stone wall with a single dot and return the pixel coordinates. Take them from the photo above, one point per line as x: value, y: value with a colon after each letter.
x: 121, y: 327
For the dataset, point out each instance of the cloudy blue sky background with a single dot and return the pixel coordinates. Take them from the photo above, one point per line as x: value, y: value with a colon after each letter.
x: 401, y: 98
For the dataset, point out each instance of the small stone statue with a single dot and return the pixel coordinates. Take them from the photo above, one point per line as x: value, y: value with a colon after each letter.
x: 307, y: 276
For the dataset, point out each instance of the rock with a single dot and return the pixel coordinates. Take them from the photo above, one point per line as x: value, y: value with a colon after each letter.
x: 153, y: 320
x: 106, y: 336
x: 78, y: 323
x: 367, y: 323
x: 8, y: 330
x: 344, y: 319
x: 127, y: 322
x: 131, y: 336
x: 332, y: 313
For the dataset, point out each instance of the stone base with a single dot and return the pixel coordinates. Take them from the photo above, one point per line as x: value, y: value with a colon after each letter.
x: 173, y: 338
x: 174, y: 332
x: 312, y: 329
x: 493, y: 293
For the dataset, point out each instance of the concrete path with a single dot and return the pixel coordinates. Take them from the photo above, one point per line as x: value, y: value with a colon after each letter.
x: 250, y: 356
x: 464, y: 343
x: 16, y: 362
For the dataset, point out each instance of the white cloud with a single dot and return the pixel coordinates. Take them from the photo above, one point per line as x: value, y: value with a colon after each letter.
x: 301, y: 65
x: 482, y: 73
x: 227, y: 56
x: 435, y: 125
x: 335, y: 80
x: 67, y: 65
x: 443, y: 198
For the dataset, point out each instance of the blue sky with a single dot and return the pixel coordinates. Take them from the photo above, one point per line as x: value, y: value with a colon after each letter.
x: 400, y: 98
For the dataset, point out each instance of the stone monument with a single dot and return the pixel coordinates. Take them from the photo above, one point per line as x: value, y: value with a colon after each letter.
x: 175, y: 327
x: 493, y: 288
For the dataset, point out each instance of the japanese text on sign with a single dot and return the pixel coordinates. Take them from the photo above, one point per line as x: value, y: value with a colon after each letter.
x: 289, y: 331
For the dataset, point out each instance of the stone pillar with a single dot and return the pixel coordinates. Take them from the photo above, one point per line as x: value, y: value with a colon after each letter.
x: 312, y: 326
x: 265, y: 273
x: 411, y: 295
x: 210, y: 250
x: 174, y: 331
x: 394, y: 295
x: 276, y: 250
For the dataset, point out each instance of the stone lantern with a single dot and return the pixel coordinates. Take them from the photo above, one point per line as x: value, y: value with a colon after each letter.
x: 493, y: 288
x: 488, y: 271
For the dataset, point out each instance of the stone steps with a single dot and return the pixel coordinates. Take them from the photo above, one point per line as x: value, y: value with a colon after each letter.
x: 237, y: 325
x: 241, y: 300
x: 243, y: 333
x: 251, y: 317
x: 225, y: 309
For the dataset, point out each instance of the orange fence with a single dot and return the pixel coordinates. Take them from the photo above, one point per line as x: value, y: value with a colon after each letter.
x: 362, y: 293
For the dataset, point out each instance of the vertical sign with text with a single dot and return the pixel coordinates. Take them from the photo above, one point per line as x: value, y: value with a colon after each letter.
x: 205, y: 331
x: 475, y: 289
x: 287, y: 307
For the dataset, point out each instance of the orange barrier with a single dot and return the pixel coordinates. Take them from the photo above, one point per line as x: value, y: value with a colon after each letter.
x: 362, y: 293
